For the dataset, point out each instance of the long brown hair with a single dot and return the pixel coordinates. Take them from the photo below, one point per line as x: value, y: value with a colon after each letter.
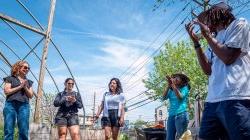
x: 17, y: 66
x: 119, y: 85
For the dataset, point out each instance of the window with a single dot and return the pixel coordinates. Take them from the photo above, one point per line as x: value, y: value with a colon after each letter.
x: 160, y: 112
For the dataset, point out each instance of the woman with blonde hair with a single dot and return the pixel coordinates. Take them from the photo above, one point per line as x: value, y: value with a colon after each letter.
x: 18, y: 91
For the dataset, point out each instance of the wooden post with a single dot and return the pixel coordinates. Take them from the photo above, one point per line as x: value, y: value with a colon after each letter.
x: 43, y: 63
x: 93, y: 111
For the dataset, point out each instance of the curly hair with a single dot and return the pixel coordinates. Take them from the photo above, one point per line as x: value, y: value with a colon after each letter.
x: 17, y: 66
x: 185, y: 80
x: 119, y: 85
x: 217, y: 16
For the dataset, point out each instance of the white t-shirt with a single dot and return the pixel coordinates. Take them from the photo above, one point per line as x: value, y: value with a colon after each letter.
x: 231, y: 82
x: 112, y: 101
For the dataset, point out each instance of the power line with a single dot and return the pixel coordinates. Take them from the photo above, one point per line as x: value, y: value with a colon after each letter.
x: 166, y: 27
x: 138, y: 95
x: 142, y: 101
x: 149, y: 57
x: 244, y: 11
x: 142, y: 105
x: 173, y: 35
x: 169, y: 39
x: 144, y: 91
x: 135, y: 83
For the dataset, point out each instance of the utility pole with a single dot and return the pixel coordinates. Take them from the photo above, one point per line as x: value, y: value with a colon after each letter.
x: 94, y: 107
x: 43, y: 63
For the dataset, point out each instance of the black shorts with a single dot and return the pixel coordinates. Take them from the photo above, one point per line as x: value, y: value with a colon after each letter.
x: 66, y: 119
x: 112, y: 120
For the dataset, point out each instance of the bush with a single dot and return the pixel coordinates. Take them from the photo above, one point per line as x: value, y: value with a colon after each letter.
x: 2, y: 132
x: 123, y: 137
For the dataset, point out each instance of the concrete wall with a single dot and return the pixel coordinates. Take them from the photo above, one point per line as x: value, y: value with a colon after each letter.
x: 39, y: 132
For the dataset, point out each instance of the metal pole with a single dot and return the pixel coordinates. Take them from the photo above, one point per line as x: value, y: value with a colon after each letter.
x: 5, y: 59
x: 19, y: 23
x: 43, y: 63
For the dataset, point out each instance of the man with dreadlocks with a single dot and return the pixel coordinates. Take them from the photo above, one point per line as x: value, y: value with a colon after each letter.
x: 226, y: 61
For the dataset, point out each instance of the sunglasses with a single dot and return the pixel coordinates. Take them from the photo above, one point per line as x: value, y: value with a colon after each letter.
x: 70, y: 83
x: 26, y: 68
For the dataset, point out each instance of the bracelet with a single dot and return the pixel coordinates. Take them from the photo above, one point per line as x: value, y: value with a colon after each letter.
x: 197, y: 45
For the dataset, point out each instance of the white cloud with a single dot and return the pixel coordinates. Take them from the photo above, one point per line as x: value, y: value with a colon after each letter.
x: 135, y: 20
x: 62, y: 67
x: 105, y: 37
x: 118, y: 55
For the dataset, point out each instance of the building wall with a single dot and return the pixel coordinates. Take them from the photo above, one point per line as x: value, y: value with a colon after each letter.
x: 161, y: 113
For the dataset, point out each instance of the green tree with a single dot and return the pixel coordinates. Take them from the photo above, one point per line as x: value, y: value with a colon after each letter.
x: 177, y: 58
x: 140, y: 123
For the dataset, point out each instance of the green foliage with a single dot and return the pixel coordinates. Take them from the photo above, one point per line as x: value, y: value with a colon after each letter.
x: 123, y: 136
x: 140, y: 123
x: 177, y: 58
x: 2, y: 132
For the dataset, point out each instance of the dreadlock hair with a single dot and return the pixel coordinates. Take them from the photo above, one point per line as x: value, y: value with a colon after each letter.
x: 217, y: 16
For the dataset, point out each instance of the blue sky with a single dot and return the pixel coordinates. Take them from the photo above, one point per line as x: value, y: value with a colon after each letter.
x: 99, y: 39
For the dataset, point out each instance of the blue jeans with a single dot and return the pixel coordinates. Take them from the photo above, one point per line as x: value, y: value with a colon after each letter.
x: 177, y: 125
x: 15, y: 110
x: 226, y: 120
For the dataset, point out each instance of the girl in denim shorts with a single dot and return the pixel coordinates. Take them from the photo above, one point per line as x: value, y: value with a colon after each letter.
x: 68, y: 102
x: 113, y: 109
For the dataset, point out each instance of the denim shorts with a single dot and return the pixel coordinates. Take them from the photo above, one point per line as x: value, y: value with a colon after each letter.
x: 112, y: 120
x: 226, y: 120
x: 66, y: 119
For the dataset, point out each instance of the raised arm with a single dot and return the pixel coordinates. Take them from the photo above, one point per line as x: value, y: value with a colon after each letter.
x: 203, y: 61
x: 227, y: 54
x: 166, y: 89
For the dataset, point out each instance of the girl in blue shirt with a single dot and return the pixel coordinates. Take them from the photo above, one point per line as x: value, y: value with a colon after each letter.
x: 177, y: 91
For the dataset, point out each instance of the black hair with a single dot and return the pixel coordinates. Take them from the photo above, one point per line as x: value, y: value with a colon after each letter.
x: 66, y: 80
x: 69, y: 79
x: 119, y: 85
x: 216, y: 16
